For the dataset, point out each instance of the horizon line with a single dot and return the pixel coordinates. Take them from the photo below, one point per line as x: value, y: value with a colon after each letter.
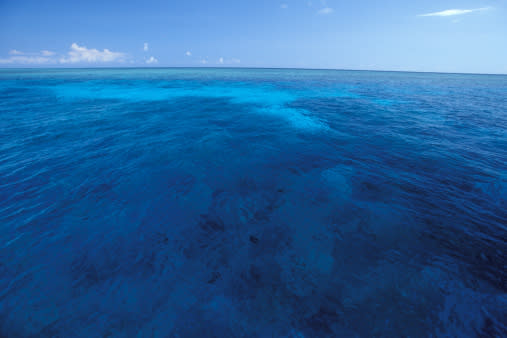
x: 253, y: 68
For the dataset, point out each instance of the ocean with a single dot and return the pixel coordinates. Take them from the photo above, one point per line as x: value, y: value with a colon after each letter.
x: 252, y: 203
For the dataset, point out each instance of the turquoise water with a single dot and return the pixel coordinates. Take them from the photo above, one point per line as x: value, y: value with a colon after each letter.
x: 256, y: 203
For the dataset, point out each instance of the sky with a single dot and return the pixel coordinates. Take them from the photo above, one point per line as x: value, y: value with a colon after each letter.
x: 468, y: 36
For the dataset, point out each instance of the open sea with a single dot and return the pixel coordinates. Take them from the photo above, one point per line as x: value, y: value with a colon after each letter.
x: 252, y: 203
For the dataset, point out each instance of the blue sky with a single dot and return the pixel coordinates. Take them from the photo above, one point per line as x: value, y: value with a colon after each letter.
x: 443, y: 35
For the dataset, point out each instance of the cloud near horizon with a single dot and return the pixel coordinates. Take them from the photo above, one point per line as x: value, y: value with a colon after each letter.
x: 151, y: 60
x: 232, y: 61
x: 79, y: 54
x: 76, y: 54
x: 27, y: 60
x: 19, y: 57
x: 454, y: 12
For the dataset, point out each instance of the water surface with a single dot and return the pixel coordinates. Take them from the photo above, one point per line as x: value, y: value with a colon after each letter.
x: 254, y: 203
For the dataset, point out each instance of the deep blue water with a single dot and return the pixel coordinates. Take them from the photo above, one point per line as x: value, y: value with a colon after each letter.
x: 253, y: 203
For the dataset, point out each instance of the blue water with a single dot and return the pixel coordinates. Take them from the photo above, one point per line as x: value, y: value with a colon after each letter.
x: 252, y: 203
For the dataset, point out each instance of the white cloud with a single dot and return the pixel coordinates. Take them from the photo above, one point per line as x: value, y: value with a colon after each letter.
x: 45, y: 53
x: 18, y: 57
x: 188, y: 53
x: 203, y: 61
x: 79, y: 54
x: 15, y: 52
x: 151, y: 60
x: 30, y: 60
x: 145, y: 47
x: 232, y: 61
x: 326, y: 10
x: 76, y: 54
x: 284, y: 6
x: 453, y: 12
